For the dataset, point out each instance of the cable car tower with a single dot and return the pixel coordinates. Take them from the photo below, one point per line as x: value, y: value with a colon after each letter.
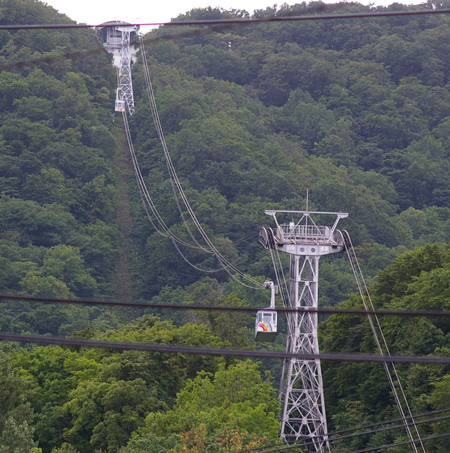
x: 117, y: 37
x: 303, y: 413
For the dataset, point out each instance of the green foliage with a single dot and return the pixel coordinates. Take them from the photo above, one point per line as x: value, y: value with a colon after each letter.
x: 104, y: 414
x: 234, y: 398
x: 228, y: 326
x: 417, y: 280
x: 16, y: 432
x: 57, y: 231
x: 95, y: 399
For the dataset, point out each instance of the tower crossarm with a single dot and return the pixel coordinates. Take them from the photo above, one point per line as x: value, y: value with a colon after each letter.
x: 295, y: 236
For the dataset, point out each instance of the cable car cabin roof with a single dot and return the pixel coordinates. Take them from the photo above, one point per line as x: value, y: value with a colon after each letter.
x: 266, y: 325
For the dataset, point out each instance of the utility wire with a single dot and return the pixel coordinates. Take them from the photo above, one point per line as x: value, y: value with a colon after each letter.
x: 397, y: 444
x: 306, y: 442
x: 149, y: 39
x: 49, y: 59
x: 394, y: 420
x: 356, y: 428
x: 335, y: 357
x: 237, y: 21
x: 365, y: 450
x: 329, y: 311
x: 373, y: 431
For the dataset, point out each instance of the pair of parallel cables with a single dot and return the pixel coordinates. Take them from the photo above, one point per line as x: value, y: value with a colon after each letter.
x: 178, y: 191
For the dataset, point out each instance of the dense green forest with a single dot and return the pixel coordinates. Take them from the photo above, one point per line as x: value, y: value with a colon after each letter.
x: 355, y: 111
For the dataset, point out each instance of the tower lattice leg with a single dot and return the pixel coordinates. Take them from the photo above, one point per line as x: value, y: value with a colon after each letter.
x: 303, y: 416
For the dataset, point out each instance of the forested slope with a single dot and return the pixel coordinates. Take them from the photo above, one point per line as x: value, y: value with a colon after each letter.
x: 58, y: 235
x: 355, y: 111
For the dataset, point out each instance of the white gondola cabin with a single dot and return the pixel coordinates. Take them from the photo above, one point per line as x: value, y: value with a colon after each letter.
x: 266, y: 326
x: 120, y: 105
x: 266, y: 319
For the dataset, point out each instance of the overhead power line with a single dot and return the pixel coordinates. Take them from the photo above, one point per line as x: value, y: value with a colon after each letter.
x: 80, y: 54
x: 197, y: 350
x: 328, y: 311
x: 346, y: 437
x: 365, y: 450
x: 397, y: 444
x: 236, y: 21
x: 357, y: 428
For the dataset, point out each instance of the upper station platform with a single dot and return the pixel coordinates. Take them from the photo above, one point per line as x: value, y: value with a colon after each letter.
x: 111, y: 34
x: 304, y: 237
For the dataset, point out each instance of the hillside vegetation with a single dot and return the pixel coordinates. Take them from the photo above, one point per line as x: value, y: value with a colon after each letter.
x: 355, y: 111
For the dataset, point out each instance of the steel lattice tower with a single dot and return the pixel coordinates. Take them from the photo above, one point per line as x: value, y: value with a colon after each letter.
x: 117, y: 37
x: 125, y: 88
x: 303, y: 415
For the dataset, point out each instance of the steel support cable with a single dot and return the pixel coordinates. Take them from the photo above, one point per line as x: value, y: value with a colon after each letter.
x: 144, y: 192
x: 385, y: 365
x: 146, y: 199
x: 275, y: 267
x: 203, y: 270
x: 286, y: 301
x: 283, y: 280
x: 139, y: 176
x: 277, y: 277
x: 384, y: 341
x: 144, y: 203
x: 160, y: 132
x: 142, y: 183
x: 360, y: 283
x: 279, y: 269
x: 172, y: 172
x: 224, y: 262
x: 171, y: 168
x: 352, y: 257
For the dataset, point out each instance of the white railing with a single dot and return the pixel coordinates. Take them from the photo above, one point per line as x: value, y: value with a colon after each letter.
x: 304, y: 232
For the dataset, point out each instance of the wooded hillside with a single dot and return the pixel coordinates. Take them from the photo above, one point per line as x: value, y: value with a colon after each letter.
x: 355, y: 111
